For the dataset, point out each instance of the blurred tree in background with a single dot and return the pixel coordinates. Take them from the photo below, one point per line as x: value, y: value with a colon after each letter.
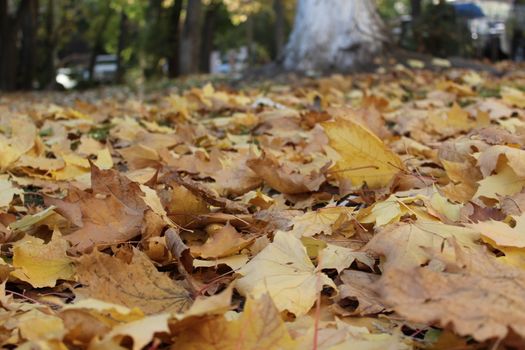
x: 145, y: 39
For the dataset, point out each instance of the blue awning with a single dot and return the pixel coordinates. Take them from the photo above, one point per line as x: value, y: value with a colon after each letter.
x: 468, y: 10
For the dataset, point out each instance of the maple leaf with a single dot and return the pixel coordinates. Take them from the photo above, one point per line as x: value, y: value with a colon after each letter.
x: 284, y: 271
x: 488, y: 159
x: 142, y: 331
x: 288, y: 178
x: 504, y: 182
x: 361, y: 156
x: 23, y: 135
x: 135, y: 284
x: 258, y: 327
x: 7, y: 191
x: 319, y: 221
x: 407, y: 245
x: 359, y: 286
x: 111, y: 213
x: 501, y: 233
x: 513, y: 97
x: 340, y: 258
x: 422, y: 294
x: 222, y: 242
x: 41, y: 265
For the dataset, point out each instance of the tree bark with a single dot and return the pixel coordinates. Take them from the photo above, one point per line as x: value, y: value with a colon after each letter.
x: 28, y: 48
x: 278, y: 8
x: 190, y: 41
x: 208, y: 30
x: 50, y: 47
x: 9, y: 31
x: 415, y: 8
x: 174, y: 38
x: 334, y: 35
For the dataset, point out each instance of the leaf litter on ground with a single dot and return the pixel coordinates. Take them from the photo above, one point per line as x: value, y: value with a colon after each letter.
x: 371, y: 211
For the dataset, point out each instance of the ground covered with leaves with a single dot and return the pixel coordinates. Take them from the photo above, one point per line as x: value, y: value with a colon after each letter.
x: 378, y: 211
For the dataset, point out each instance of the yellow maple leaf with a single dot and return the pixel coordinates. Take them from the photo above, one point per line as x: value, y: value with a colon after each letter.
x: 41, y: 265
x: 505, y: 182
x: 362, y: 156
x: 513, y: 97
x: 319, y: 221
x: 284, y: 271
x: 501, y: 233
x: 258, y: 327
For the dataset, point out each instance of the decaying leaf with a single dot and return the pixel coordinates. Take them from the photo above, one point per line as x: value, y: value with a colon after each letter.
x: 134, y: 284
x: 258, y: 327
x: 422, y: 294
x: 111, y: 212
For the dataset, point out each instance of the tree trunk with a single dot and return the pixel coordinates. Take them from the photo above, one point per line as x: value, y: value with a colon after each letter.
x: 50, y: 47
x: 190, y: 43
x: 122, y: 38
x: 28, y: 48
x: 278, y: 8
x: 9, y: 31
x: 173, y: 39
x: 334, y: 35
x: 415, y: 8
x: 208, y: 30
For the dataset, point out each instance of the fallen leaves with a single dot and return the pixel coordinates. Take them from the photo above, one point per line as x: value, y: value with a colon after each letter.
x: 111, y: 212
x: 378, y: 211
x: 41, y: 265
x: 425, y: 295
x: 361, y: 156
x: 133, y: 284
x: 284, y: 271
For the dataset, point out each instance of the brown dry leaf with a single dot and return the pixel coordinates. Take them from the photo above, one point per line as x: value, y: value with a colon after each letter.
x: 488, y: 159
x: 361, y: 156
x: 259, y: 327
x: 137, y: 284
x: 112, y: 212
x: 288, y: 177
x: 448, y: 298
x: 407, y: 245
x: 221, y: 242
x: 358, y: 287
x: 513, y: 205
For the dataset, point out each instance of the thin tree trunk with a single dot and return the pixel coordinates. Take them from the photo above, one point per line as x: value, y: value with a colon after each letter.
x: 278, y: 8
x: 415, y: 8
x: 28, y: 49
x: 190, y: 43
x: 174, y: 38
x: 208, y: 30
x: 50, y: 46
x: 122, y: 38
x: 347, y: 34
x: 9, y: 30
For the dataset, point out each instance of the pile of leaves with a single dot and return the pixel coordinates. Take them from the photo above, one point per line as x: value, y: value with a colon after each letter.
x: 378, y: 211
